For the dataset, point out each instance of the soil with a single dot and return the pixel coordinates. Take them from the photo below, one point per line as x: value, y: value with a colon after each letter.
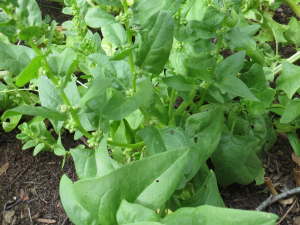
x: 37, y: 178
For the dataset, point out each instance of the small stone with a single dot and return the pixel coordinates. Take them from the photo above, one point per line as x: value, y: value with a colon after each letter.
x: 279, y: 10
x: 10, y: 179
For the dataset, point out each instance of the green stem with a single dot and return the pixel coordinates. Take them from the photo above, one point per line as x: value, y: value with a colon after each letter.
x: 162, y: 210
x: 176, y: 201
x: 292, y: 59
x: 4, y: 73
x: 293, y: 6
x: 200, y: 103
x: 185, y: 104
x: 171, y: 103
x: 129, y: 41
x: 134, y: 146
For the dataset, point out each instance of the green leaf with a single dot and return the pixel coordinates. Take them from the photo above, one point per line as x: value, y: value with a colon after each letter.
x: 217, y: 216
x: 13, y: 120
x: 38, y: 148
x: 123, y: 54
x: 239, y: 39
x: 29, y: 144
x: 231, y: 66
x: 230, y: 157
x: 205, y: 129
x: 8, y: 28
x: 208, y: 194
x: 153, y: 176
x: 60, y: 64
x: 118, y: 107
x: 294, y: 140
x: 291, y: 111
x: 233, y: 85
x: 284, y: 127
x: 157, y: 39
x: 30, y: 13
x: 289, y: 80
x: 115, y: 34
x: 292, y: 34
x: 97, y: 17
x: 15, y: 58
x: 202, y: 30
x: 97, y: 87
x: 195, y: 10
x: 144, y: 9
x: 35, y: 111
x: 109, y: 2
x: 29, y: 33
x: 202, y: 61
x: 181, y: 83
x: 31, y: 71
x: 92, y: 163
x: 134, y: 119
x: 165, y: 139
x: 134, y: 213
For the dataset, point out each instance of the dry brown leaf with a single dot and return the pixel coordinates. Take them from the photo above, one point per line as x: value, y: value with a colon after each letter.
x: 296, y: 159
x: 285, y: 202
x: 45, y: 221
x: 60, y: 28
x: 4, y: 168
x: 297, y: 220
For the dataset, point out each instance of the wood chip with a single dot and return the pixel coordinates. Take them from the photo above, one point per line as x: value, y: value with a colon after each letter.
x: 296, y: 159
x: 4, y: 168
x: 45, y: 221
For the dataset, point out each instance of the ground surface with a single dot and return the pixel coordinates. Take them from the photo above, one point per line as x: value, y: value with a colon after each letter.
x: 39, y: 176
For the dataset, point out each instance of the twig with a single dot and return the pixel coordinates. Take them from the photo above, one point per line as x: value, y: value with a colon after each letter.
x: 287, y: 212
x: 273, y: 199
x: 65, y: 220
x: 29, y: 215
x: 15, y: 179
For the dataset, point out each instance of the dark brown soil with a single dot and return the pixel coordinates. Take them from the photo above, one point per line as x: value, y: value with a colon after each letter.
x: 39, y: 176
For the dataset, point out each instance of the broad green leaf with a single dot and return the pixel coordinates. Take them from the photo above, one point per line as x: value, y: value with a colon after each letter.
x: 230, y: 156
x: 294, y: 140
x: 15, y: 58
x: 219, y: 216
x: 231, y: 66
x: 35, y: 111
x: 115, y: 34
x: 13, y: 120
x: 134, y: 213
x: 118, y: 107
x: 29, y: 144
x: 239, y: 39
x: 29, y: 33
x: 292, y: 34
x: 165, y: 139
x: 31, y: 71
x: 181, y: 83
x: 234, y: 85
x: 205, y: 130
x: 202, y: 61
x: 157, y: 39
x: 144, y: 9
x: 50, y: 99
x: 213, y: 16
x: 152, y: 103
x: 208, y: 194
x: 97, y: 87
x: 110, y: 2
x: 195, y: 10
x: 8, y: 28
x: 252, y: 170
x: 202, y: 30
x: 284, y: 127
x: 123, y: 54
x: 38, y: 148
x: 134, y: 119
x: 155, y: 179
x: 291, y: 111
x: 60, y: 64
x: 29, y: 12
x: 92, y: 163
x: 275, y: 28
x: 289, y: 79
x: 97, y: 17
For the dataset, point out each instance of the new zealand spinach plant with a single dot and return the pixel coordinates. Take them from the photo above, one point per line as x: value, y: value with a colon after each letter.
x: 114, y: 75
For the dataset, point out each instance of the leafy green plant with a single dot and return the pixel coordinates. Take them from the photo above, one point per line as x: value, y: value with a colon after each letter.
x: 117, y: 86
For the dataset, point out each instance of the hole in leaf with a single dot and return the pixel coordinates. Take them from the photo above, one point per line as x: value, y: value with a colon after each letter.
x: 195, y: 139
x: 252, y: 127
x: 157, y: 180
x: 172, y: 132
x: 240, y: 134
x: 268, y: 142
x: 258, y: 131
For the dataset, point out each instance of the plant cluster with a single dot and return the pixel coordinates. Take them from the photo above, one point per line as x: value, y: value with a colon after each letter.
x: 114, y: 74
